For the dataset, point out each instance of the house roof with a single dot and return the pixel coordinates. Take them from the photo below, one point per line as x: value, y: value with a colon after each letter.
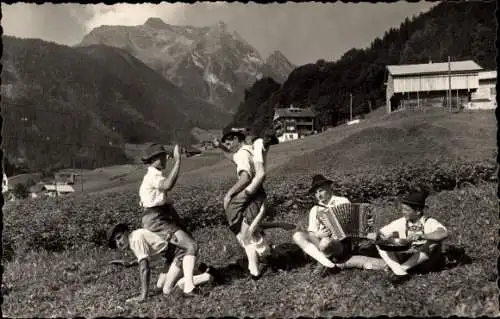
x: 293, y: 112
x: 60, y: 188
x: 425, y: 68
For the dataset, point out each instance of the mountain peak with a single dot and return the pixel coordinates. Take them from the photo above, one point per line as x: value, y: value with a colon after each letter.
x: 277, y: 55
x: 155, y: 23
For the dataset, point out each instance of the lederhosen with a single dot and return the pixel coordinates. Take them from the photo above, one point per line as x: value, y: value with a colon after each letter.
x: 165, y: 221
x: 435, y: 256
x: 244, y: 208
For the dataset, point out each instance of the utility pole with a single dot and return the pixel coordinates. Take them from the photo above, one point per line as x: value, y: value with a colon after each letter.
x: 449, y: 82
x: 350, y: 107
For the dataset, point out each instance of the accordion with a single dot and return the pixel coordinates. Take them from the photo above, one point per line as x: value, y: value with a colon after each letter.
x: 354, y: 220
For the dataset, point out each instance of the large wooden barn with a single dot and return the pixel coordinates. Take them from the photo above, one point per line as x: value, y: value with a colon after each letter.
x: 429, y: 84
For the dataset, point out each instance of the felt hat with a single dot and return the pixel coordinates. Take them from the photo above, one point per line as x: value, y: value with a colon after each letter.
x: 234, y: 133
x: 317, y: 181
x: 152, y: 151
x: 111, y: 233
x: 415, y: 199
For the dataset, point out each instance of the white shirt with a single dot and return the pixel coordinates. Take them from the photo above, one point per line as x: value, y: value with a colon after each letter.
x: 149, y: 192
x: 146, y: 244
x: 315, y: 226
x: 424, y: 225
x: 243, y: 159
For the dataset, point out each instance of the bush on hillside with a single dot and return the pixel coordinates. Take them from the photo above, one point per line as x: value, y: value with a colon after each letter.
x: 20, y: 191
x: 59, y: 224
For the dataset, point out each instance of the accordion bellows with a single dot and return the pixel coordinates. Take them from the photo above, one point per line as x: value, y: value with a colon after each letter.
x: 355, y: 220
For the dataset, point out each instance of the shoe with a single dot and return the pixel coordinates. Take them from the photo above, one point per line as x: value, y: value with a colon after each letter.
x: 397, y: 280
x: 262, y: 271
x: 193, y: 293
x: 216, y: 274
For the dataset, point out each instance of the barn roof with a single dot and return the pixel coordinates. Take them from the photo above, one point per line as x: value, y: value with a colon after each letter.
x: 293, y: 112
x: 425, y: 68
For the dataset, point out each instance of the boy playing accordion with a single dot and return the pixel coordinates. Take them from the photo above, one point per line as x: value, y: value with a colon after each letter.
x: 333, y: 250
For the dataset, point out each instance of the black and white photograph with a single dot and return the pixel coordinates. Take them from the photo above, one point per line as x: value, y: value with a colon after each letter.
x: 270, y: 160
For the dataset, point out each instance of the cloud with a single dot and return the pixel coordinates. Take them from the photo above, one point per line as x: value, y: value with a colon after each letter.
x: 131, y: 14
x: 304, y: 32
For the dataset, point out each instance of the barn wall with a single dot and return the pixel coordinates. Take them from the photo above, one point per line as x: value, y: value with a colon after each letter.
x: 422, y: 83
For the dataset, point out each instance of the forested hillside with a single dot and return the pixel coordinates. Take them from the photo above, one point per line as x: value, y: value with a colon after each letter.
x: 461, y: 30
x: 62, y: 105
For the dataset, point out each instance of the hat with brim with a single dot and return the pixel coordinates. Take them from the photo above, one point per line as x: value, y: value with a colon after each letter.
x: 152, y: 151
x: 233, y: 134
x: 270, y: 137
x: 318, y: 181
x: 111, y: 233
x: 415, y: 199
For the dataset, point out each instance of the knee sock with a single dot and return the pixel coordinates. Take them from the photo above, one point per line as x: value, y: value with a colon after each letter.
x: 198, y: 280
x: 315, y: 253
x: 188, y: 263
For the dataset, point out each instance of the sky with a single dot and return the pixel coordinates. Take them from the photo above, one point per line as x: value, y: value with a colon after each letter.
x: 304, y: 32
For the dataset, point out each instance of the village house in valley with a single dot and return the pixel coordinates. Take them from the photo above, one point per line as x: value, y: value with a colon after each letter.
x: 430, y: 84
x: 293, y: 123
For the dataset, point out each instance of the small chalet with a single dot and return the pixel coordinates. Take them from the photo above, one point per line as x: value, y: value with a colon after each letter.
x: 53, y: 190
x: 293, y: 123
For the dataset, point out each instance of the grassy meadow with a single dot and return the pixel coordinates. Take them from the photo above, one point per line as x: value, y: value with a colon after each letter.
x: 61, y: 269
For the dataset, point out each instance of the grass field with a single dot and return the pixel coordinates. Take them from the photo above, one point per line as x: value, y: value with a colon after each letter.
x: 62, y: 269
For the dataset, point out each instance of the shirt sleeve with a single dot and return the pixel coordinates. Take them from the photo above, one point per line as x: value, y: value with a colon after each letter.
x: 431, y: 225
x: 394, y: 226
x: 313, y: 220
x: 258, y: 151
x: 139, y: 246
x: 243, y: 162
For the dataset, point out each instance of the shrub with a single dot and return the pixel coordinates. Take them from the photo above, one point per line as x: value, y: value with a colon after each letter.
x: 20, y: 191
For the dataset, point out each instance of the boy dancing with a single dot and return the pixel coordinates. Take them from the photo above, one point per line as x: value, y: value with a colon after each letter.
x: 242, y: 207
x: 161, y: 218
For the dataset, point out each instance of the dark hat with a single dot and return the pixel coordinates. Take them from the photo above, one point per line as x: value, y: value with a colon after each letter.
x: 111, y: 233
x: 270, y: 138
x: 234, y: 133
x: 415, y: 199
x: 317, y: 181
x: 151, y: 151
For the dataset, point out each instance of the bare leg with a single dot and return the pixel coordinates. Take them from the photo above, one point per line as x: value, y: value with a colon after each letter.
x: 363, y: 262
x: 311, y: 247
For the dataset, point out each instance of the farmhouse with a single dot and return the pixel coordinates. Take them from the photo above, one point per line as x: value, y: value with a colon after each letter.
x: 429, y: 84
x: 58, y: 189
x: 486, y: 96
x: 293, y: 123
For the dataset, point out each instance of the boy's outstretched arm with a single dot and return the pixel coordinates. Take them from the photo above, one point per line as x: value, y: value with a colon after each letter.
x: 144, y: 273
x: 169, y: 182
x: 223, y: 148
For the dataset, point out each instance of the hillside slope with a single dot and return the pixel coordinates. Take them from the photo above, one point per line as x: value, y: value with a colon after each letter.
x: 105, y: 97
x: 381, y: 142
